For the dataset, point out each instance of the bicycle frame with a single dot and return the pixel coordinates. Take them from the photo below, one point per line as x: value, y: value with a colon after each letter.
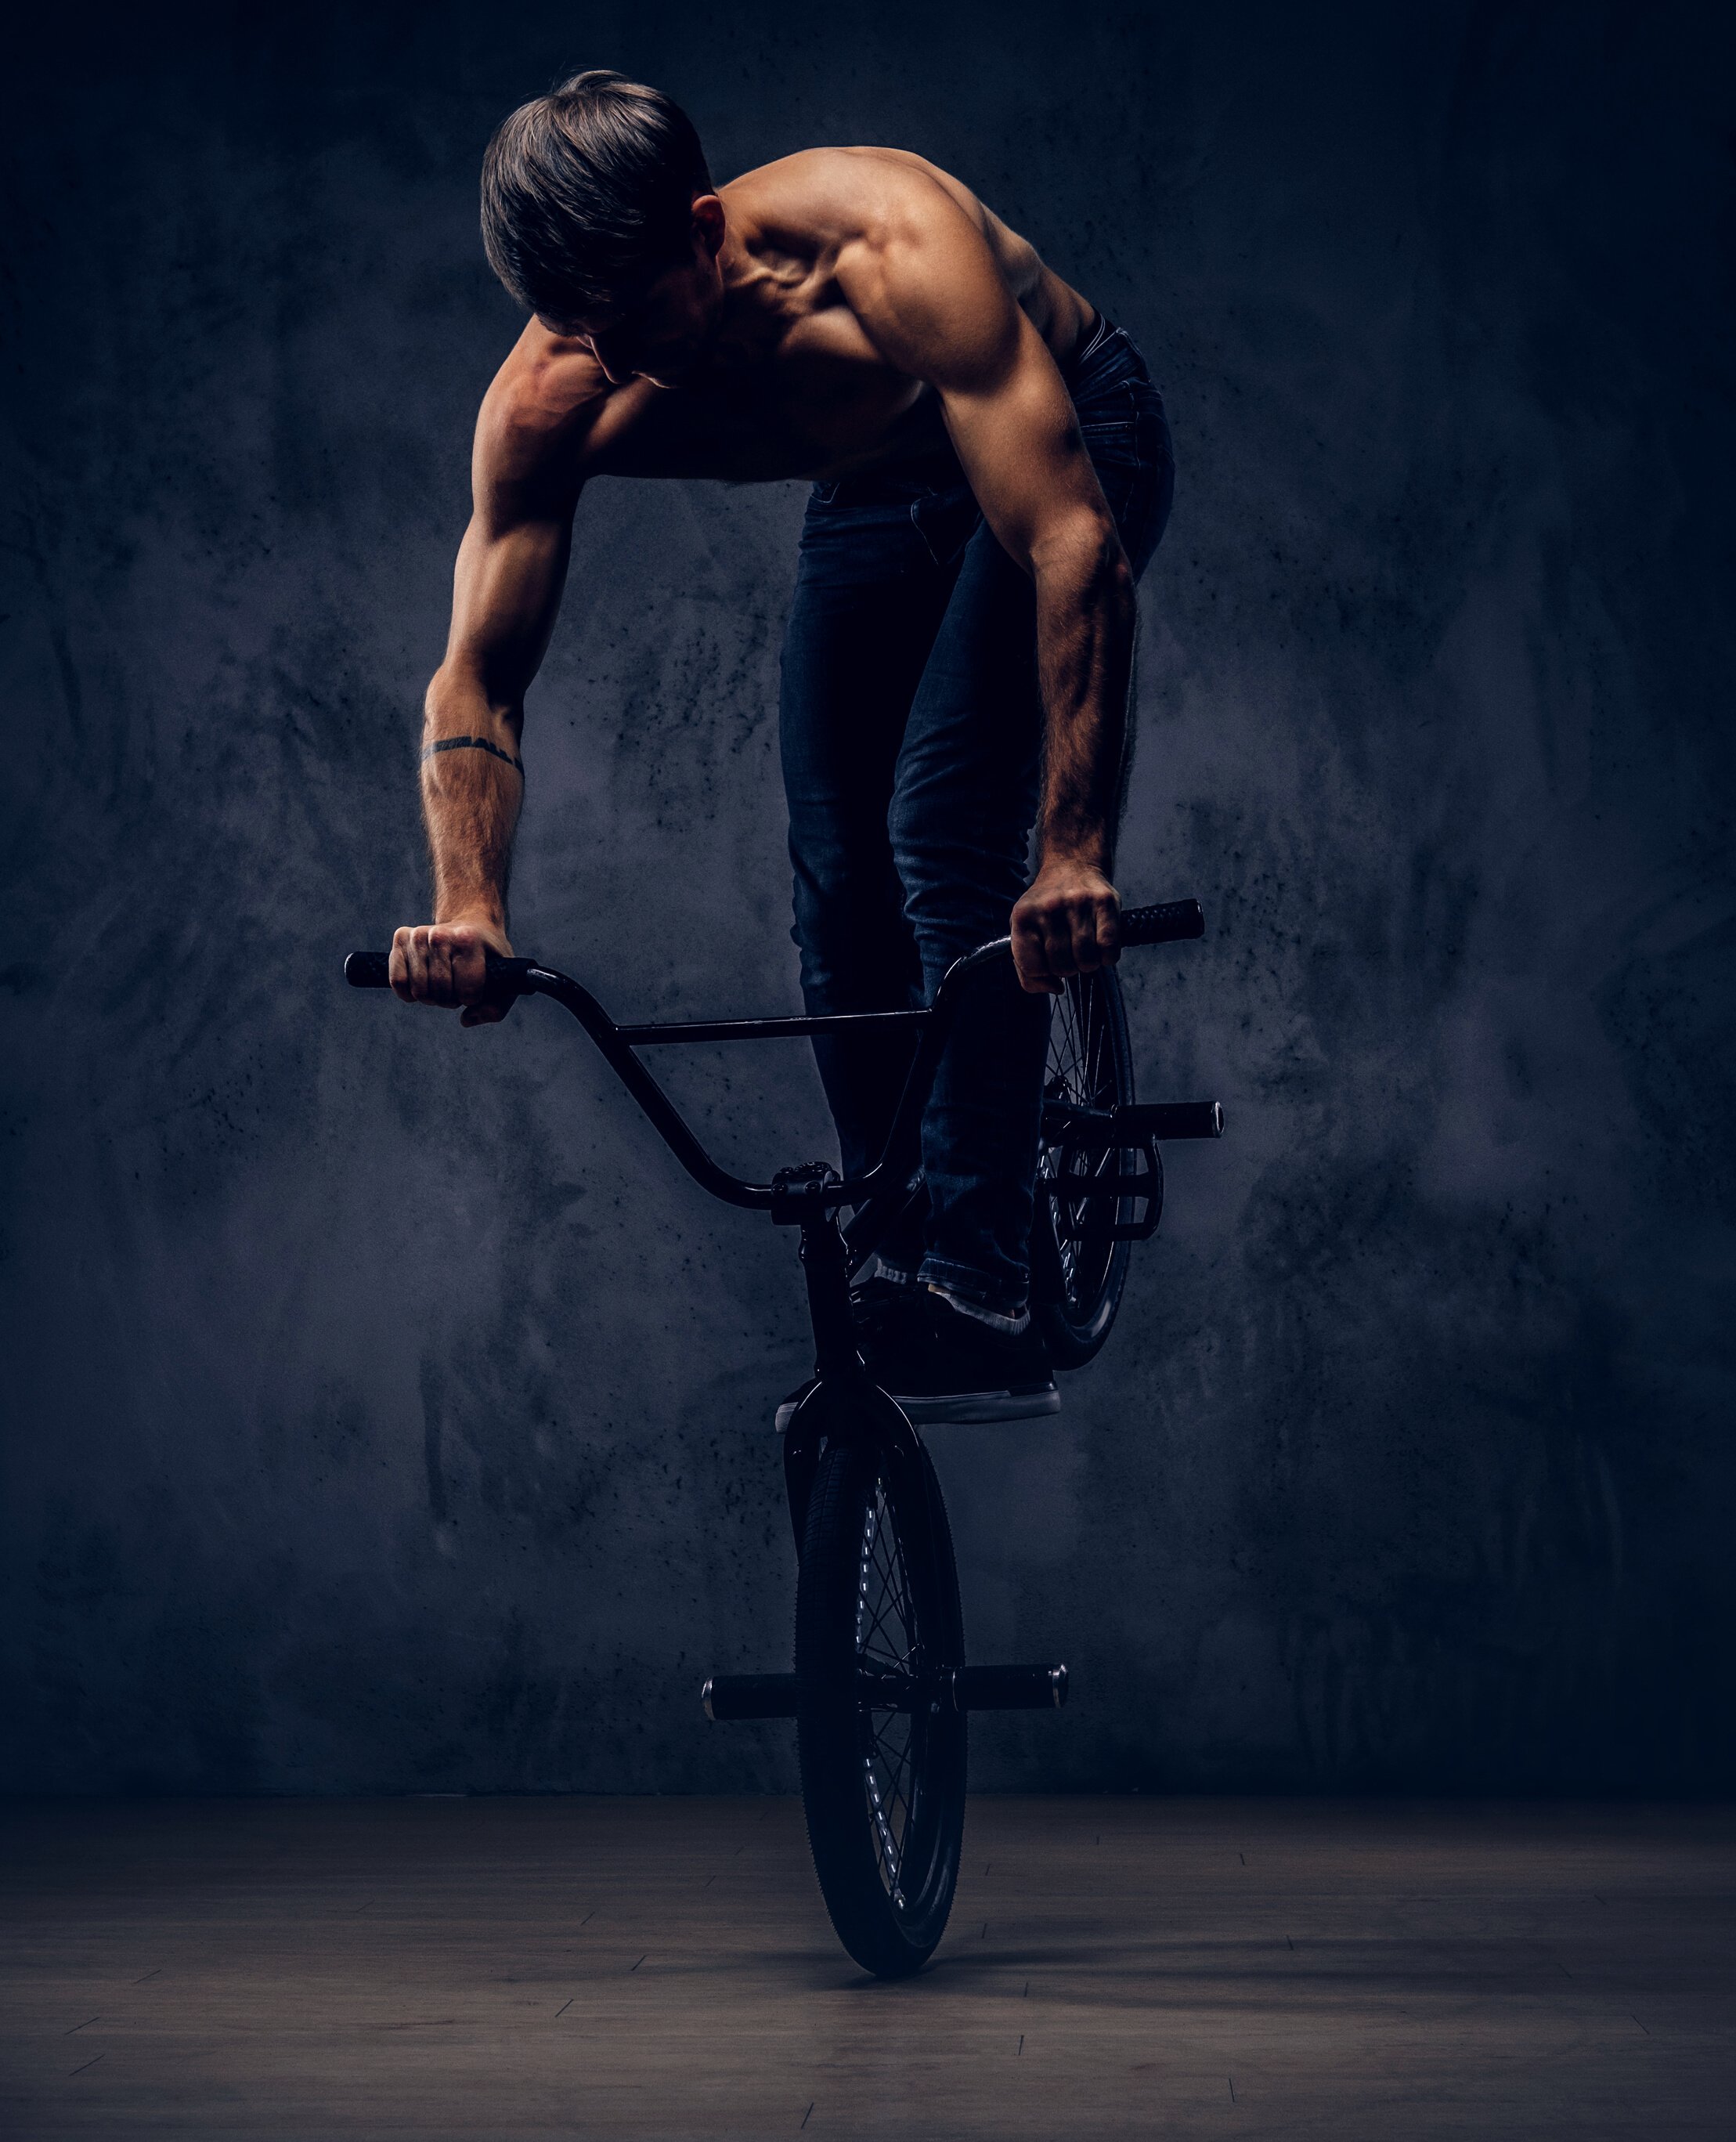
x: 843, y: 1400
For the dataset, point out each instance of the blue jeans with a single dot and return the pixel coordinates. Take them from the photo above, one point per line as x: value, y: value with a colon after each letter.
x: 911, y: 730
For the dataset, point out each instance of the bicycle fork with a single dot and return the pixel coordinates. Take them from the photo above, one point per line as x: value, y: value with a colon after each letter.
x: 843, y: 1401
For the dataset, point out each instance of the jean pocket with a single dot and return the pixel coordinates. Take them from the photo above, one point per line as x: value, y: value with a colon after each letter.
x: 1113, y: 409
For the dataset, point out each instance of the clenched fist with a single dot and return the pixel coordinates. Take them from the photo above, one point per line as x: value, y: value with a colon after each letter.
x: 444, y: 963
x: 1067, y: 922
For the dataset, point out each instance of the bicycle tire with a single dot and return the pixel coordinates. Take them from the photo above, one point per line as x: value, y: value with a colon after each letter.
x: 884, y: 1801
x: 1077, y: 1285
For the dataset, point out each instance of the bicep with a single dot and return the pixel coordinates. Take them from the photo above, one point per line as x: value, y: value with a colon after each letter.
x: 506, y: 594
x: 527, y: 469
x: 931, y: 296
x: 1018, y: 440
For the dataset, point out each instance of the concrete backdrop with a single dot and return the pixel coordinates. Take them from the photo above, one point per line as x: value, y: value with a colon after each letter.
x: 385, y: 1412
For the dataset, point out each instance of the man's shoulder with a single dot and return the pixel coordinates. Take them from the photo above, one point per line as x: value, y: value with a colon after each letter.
x: 543, y: 411
x: 853, y: 192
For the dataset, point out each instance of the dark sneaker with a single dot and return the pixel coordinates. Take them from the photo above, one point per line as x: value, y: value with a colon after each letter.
x: 881, y: 1311
x: 946, y: 1366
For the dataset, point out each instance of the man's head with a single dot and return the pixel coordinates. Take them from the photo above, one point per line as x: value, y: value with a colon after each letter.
x: 599, y: 214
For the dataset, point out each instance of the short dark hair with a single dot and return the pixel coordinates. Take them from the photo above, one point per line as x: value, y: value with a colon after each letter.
x: 588, y: 192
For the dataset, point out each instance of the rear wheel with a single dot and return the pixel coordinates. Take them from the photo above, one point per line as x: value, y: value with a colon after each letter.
x: 1078, y: 1268
x: 878, y: 1638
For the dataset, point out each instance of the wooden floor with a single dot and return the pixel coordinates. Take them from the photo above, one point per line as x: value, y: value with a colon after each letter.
x: 499, y: 1968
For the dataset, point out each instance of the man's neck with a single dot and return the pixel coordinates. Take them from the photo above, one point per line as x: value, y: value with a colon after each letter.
x: 759, y: 280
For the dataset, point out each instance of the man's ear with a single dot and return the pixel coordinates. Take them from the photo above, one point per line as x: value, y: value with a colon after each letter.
x: 708, y: 221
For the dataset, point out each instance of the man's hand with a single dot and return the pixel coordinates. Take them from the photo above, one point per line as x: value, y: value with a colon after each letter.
x: 445, y: 962
x: 1067, y: 921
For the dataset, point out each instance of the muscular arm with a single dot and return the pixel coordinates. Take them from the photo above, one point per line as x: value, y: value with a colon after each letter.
x: 506, y: 590
x: 929, y: 295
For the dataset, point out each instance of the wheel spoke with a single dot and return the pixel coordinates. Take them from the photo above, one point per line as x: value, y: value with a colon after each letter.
x: 1083, y: 1072
x: 888, y: 1598
x: 887, y: 1641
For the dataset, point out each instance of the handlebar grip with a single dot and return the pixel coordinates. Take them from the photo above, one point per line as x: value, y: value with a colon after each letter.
x: 370, y: 971
x: 1166, y: 922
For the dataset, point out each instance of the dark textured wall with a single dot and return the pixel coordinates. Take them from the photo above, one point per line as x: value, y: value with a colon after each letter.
x: 385, y: 1411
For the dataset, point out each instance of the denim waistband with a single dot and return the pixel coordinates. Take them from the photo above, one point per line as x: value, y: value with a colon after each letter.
x: 1094, y: 342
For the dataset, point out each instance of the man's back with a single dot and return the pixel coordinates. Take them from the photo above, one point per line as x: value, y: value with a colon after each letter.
x: 794, y: 377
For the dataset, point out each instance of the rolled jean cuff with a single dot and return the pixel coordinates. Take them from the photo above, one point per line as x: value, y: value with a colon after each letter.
x: 973, y: 1292
x: 894, y: 1274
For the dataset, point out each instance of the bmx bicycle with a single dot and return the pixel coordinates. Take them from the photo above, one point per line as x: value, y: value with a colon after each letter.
x: 880, y: 1692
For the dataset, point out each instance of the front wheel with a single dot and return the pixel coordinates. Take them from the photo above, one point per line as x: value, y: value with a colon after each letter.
x: 879, y: 1636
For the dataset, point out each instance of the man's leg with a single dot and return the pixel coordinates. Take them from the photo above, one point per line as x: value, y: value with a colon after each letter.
x: 870, y: 595
x: 965, y: 800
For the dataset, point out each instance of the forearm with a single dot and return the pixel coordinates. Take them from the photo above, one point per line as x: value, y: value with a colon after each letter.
x: 471, y: 787
x: 1086, y: 617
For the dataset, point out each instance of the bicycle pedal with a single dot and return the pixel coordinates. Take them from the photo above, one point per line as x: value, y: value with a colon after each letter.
x: 1074, y: 1196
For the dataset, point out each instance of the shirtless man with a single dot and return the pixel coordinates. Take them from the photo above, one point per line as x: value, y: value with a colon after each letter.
x: 991, y: 470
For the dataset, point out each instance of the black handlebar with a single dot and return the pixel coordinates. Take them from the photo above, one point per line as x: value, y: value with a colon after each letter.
x: 1166, y: 922
x: 367, y: 970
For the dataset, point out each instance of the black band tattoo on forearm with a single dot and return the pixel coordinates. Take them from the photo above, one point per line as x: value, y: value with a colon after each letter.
x: 472, y: 743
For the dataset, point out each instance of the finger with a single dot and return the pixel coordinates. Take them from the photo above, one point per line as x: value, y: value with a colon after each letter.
x: 469, y: 962
x: 1086, y: 957
x: 438, y: 954
x: 1028, y: 962
x: 453, y: 949
x: 487, y: 1011
x: 1058, y: 943
x: 415, y: 964
x: 397, y: 965
x: 1027, y: 965
x: 1108, y: 929
x: 1026, y: 950
x: 426, y: 957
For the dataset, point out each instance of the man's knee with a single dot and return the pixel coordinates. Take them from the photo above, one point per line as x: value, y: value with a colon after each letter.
x: 959, y: 886
x: 854, y: 941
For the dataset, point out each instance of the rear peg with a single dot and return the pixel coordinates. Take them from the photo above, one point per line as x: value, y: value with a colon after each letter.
x: 727, y: 1697
x: 1010, y: 1688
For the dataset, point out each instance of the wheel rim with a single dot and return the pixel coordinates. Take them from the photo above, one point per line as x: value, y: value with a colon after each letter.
x: 889, y: 1642
x: 1082, y: 1073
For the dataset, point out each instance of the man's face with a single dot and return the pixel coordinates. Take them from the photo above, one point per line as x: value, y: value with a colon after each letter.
x: 658, y: 332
